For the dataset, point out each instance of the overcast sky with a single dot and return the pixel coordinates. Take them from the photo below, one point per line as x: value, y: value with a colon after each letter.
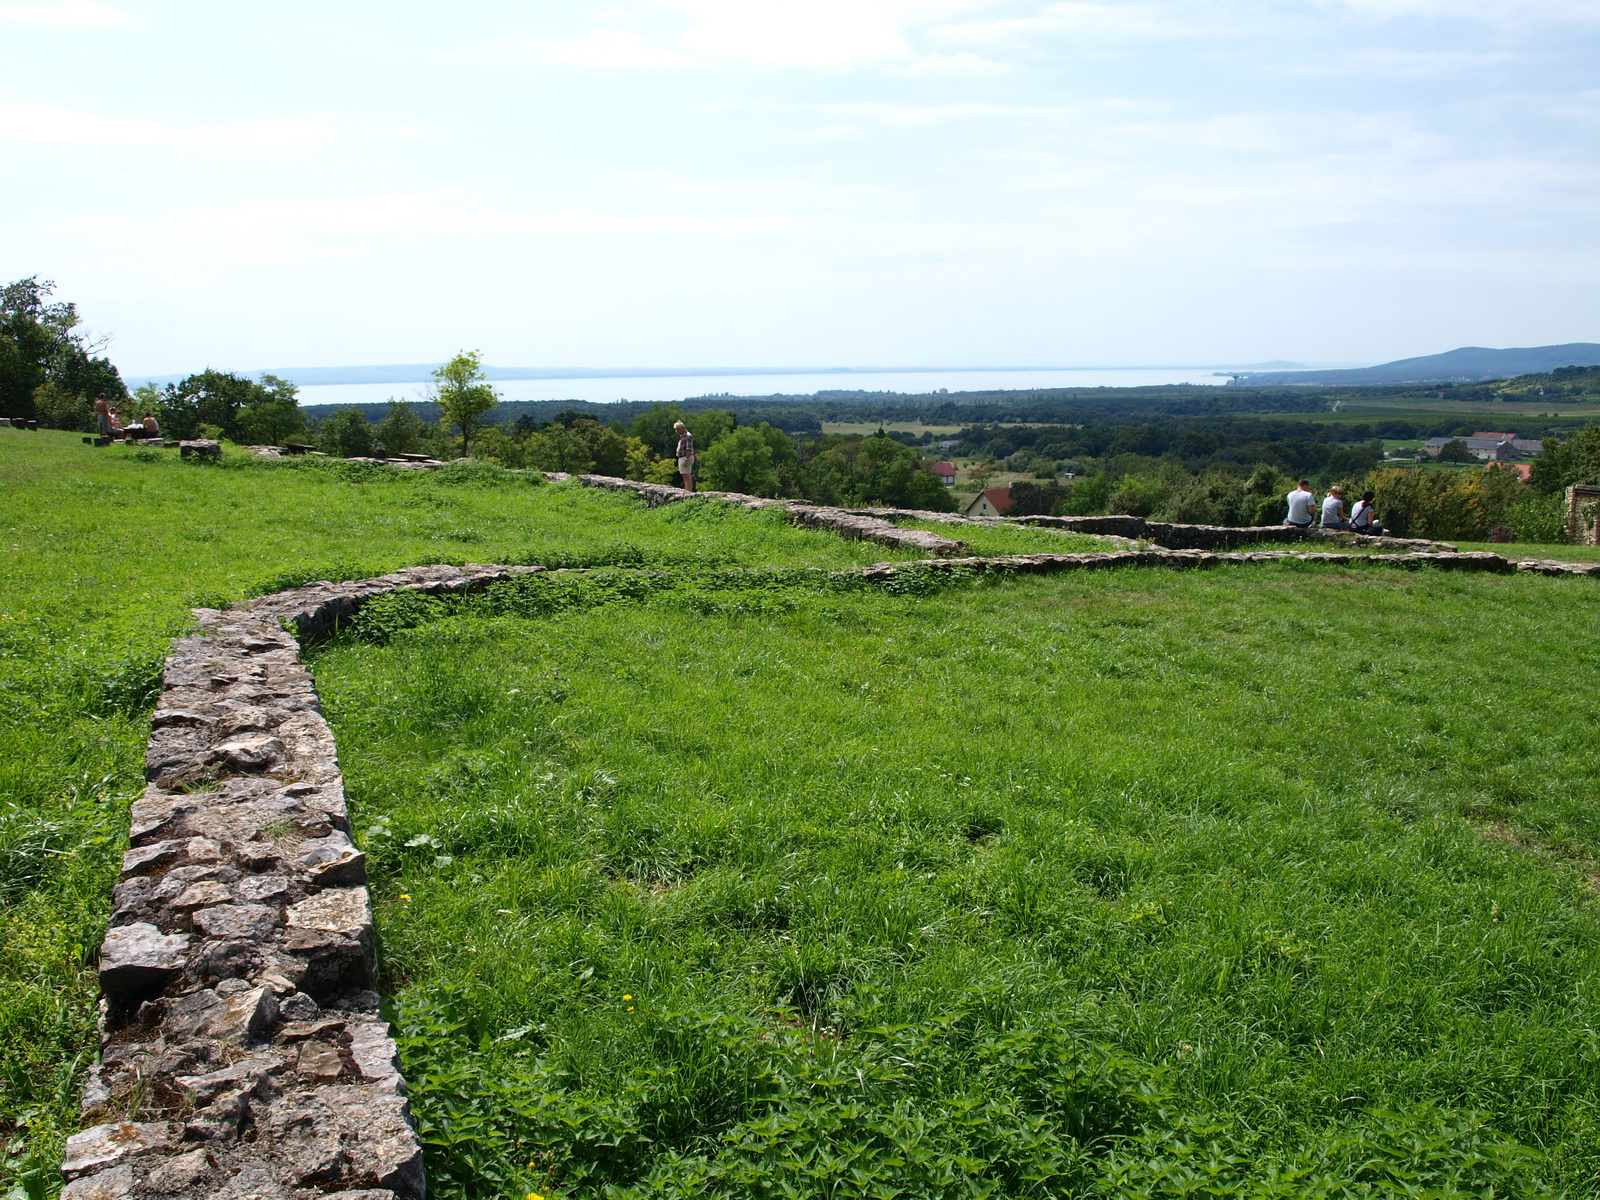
x: 805, y: 182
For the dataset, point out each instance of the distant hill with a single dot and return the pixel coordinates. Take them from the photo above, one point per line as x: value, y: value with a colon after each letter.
x: 1466, y: 365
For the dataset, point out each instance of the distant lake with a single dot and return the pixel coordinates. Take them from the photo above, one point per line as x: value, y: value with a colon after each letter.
x: 679, y: 387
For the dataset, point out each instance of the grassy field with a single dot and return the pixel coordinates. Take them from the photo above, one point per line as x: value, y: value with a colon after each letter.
x: 102, y: 554
x: 1264, y: 882
x: 694, y: 879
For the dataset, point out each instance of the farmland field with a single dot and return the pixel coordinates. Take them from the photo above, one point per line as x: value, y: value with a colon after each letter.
x: 696, y: 878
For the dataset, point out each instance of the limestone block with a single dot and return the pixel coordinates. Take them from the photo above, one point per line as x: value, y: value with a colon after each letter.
x: 206, y: 1014
x: 203, y: 894
x: 332, y: 860
x: 375, y: 1054
x: 115, y: 1183
x: 254, y: 889
x: 139, y: 957
x: 107, y: 1145
x: 250, y: 754
x: 181, y: 1173
x: 246, y: 922
x: 319, y: 1062
x: 336, y: 910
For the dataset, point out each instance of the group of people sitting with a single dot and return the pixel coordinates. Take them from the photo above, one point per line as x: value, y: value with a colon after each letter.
x: 1303, y: 510
x: 110, y: 422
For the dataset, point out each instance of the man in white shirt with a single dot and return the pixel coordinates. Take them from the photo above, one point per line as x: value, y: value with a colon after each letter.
x: 1300, y: 502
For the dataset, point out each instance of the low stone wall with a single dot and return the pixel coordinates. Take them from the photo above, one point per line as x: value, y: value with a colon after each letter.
x: 1173, y: 536
x: 1050, y: 564
x: 847, y: 523
x: 242, y: 1054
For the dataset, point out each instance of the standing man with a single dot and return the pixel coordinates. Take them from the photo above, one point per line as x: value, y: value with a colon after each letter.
x: 685, y: 455
x: 102, y: 416
x: 1300, y: 505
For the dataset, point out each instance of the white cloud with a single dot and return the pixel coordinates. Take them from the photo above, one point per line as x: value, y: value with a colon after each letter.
x: 961, y: 65
x: 53, y: 124
x: 64, y: 12
x: 819, y: 33
x: 615, y: 48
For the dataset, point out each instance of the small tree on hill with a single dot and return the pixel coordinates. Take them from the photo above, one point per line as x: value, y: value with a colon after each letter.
x: 401, y: 431
x: 461, y: 391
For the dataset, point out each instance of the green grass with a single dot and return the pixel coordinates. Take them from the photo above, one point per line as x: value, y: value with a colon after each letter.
x: 1134, y: 883
x: 1073, y: 883
x: 1521, y: 550
x: 1013, y: 539
x: 102, y: 554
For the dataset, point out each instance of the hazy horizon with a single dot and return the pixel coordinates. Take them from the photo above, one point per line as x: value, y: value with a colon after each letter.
x: 743, y: 182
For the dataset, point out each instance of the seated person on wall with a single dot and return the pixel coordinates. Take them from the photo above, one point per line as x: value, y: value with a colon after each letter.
x: 1300, y: 502
x: 1333, y: 510
x: 1363, y: 520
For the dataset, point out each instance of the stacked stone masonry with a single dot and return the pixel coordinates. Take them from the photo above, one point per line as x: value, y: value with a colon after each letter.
x: 242, y: 1053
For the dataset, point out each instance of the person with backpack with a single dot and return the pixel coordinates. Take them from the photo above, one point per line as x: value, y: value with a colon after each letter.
x: 1363, y: 519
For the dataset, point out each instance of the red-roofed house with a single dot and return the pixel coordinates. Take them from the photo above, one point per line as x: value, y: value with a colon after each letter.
x: 945, y: 471
x: 991, y: 502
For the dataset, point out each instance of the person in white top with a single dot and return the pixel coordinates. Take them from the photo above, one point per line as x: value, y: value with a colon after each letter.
x: 1363, y: 520
x: 1300, y: 502
x: 1333, y: 510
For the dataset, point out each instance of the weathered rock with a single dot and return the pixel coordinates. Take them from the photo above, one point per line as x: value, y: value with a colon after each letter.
x: 206, y: 1014
x: 249, y: 922
x: 106, y: 1145
x: 200, y: 895
x: 138, y: 958
x: 250, y: 754
x: 181, y: 1173
x: 114, y: 1183
x: 319, y: 1062
x: 332, y: 860
x: 297, y: 1006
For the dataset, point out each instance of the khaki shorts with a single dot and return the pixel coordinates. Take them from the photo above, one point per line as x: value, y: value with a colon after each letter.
x: 686, y: 465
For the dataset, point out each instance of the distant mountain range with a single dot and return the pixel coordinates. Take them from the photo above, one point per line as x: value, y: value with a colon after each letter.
x: 1469, y: 364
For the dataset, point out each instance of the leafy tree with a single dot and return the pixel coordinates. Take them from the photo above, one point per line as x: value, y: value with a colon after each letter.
x: 709, y: 426
x: 876, y: 470
x: 747, y: 460
x: 346, y: 433
x: 401, y: 431
x: 654, y: 428
x: 39, y: 344
x: 213, y: 398
x: 1085, y: 497
x: 1456, y: 451
x: 272, y: 417
x: 463, y: 395
x: 607, y: 449
x: 1564, y: 463
x: 495, y: 445
x: 637, y: 459
x: 559, y: 449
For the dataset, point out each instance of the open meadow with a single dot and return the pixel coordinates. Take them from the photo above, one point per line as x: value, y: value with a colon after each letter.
x: 698, y: 879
